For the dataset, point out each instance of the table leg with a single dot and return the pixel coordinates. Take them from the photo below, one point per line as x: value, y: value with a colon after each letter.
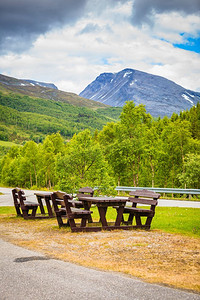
x: 102, y: 213
x: 49, y: 208
x: 39, y: 199
x: 119, y: 215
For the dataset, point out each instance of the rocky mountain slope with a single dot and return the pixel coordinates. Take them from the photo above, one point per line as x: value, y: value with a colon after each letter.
x: 160, y: 96
x: 43, y: 84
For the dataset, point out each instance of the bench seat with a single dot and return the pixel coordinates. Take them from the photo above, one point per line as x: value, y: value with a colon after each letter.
x: 142, y: 212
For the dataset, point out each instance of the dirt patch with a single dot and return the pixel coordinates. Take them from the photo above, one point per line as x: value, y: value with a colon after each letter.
x: 154, y: 256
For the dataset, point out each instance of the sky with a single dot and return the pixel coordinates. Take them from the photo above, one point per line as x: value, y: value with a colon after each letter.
x: 71, y: 42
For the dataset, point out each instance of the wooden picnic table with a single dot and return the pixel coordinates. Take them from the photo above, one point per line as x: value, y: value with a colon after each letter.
x: 102, y: 204
x: 46, y: 196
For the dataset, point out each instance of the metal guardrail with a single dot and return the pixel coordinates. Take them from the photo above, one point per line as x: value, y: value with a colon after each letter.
x: 160, y: 190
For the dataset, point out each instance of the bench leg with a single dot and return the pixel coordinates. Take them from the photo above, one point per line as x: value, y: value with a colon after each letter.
x: 123, y: 219
x: 25, y: 213
x: 130, y: 218
x: 148, y: 222
x: 60, y: 221
x: 72, y: 223
x: 34, y: 209
x: 83, y: 222
x: 87, y: 206
x: 138, y: 220
x: 18, y: 211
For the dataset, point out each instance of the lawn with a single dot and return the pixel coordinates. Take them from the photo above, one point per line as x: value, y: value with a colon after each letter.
x: 169, y: 219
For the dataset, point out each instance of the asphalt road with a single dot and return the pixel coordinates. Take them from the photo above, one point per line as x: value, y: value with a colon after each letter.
x: 6, y: 200
x: 26, y: 274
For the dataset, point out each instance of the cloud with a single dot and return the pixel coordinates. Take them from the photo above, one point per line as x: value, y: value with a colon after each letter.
x: 100, y: 38
x: 90, y: 28
x: 72, y: 60
x: 22, y: 21
x: 144, y: 10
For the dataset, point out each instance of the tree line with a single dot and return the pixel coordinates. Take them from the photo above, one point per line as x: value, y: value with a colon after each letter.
x: 135, y: 151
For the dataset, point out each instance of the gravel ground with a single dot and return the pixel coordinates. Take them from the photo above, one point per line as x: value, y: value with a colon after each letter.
x: 28, y: 275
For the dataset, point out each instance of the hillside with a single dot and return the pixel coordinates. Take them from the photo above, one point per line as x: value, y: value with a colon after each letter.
x: 160, y: 96
x: 25, y: 117
x: 45, y: 91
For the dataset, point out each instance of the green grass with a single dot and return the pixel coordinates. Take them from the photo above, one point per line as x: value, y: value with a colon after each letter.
x: 178, y: 220
x: 169, y: 219
x: 8, y: 144
x: 7, y: 210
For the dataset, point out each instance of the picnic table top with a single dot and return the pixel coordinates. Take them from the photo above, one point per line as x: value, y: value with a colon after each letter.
x: 102, y: 199
x: 42, y: 194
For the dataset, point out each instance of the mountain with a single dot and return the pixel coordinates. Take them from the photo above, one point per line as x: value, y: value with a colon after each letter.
x: 43, y: 84
x: 11, y: 81
x: 160, y: 96
x: 45, y: 91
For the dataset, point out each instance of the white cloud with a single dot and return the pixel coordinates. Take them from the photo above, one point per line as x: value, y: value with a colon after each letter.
x: 76, y: 54
x: 175, y: 27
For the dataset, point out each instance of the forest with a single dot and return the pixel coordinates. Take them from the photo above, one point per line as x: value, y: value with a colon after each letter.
x: 24, y: 118
x: 137, y: 150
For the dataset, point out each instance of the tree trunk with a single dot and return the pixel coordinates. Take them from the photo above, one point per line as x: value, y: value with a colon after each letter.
x: 134, y: 180
x: 118, y: 182
x: 31, y: 182
x: 35, y: 176
x: 152, y: 175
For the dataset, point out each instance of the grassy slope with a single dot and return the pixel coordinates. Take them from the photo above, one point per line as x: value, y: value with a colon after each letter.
x: 49, y: 93
x: 47, y: 110
x: 43, y: 116
x: 7, y: 144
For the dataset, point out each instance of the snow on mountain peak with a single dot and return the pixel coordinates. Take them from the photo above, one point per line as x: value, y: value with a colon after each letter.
x: 188, y: 99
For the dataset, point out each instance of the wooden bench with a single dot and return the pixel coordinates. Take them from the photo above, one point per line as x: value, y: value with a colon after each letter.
x: 86, y: 192
x: 64, y: 207
x: 75, y: 203
x: 27, y: 206
x: 16, y: 201
x: 143, y: 197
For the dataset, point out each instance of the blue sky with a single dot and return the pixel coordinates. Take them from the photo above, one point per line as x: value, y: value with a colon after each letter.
x: 190, y: 44
x: 70, y: 42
